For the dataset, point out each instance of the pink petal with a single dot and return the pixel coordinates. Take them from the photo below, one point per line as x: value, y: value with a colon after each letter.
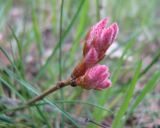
x: 95, y: 71
x: 107, y: 36
x: 97, y: 29
x: 91, y: 57
x: 116, y: 29
x: 106, y: 83
x: 101, y: 24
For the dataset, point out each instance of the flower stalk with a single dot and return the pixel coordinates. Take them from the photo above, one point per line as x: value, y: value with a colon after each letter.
x: 58, y: 86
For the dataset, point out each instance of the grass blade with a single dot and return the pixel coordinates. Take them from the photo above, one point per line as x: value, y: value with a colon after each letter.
x: 37, y: 32
x: 6, y: 119
x: 43, y: 116
x: 118, y: 118
x: 57, y: 46
x: 20, y: 53
x: 147, y: 89
x: 155, y: 59
x: 11, y: 87
x: 60, y: 58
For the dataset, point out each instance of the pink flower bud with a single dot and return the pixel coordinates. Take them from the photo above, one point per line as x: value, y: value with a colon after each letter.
x: 93, y: 33
x: 100, y: 38
x: 95, y: 78
x: 97, y: 41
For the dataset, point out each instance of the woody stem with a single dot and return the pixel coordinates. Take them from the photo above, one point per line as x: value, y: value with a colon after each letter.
x: 58, y: 86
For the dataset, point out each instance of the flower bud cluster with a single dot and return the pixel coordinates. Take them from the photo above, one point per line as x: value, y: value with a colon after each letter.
x: 88, y: 73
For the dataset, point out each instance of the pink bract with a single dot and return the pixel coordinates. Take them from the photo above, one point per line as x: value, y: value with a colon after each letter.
x: 96, y: 77
x: 100, y: 38
x: 91, y: 57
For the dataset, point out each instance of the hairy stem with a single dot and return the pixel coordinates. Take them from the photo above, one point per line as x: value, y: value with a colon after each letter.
x: 59, y: 85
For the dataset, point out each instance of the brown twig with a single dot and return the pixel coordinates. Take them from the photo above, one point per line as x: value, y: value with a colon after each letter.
x: 59, y: 85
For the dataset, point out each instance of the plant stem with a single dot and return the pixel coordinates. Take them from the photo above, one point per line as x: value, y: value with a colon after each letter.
x: 59, y: 85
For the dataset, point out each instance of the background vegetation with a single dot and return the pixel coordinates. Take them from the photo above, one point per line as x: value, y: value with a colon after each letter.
x: 40, y: 42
